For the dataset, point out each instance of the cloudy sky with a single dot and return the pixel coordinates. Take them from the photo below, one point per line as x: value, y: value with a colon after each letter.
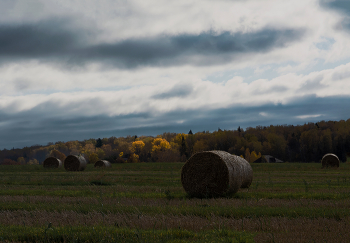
x: 80, y: 69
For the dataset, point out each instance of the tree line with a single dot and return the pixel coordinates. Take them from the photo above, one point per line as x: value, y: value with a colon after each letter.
x: 302, y: 143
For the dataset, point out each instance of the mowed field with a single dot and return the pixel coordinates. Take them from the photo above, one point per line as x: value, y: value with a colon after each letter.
x: 145, y: 202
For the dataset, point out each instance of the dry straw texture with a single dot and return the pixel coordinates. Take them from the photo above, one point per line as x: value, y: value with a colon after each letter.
x: 215, y: 173
x: 75, y: 163
x: 52, y: 162
x: 103, y: 163
x: 330, y: 160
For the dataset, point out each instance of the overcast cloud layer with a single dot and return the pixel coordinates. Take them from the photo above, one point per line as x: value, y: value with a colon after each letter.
x: 74, y: 70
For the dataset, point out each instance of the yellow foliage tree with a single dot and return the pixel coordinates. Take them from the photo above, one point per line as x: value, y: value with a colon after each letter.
x: 57, y: 154
x: 137, y: 146
x: 178, y: 138
x: 74, y: 147
x: 21, y: 161
x: 88, y: 149
x: 107, y: 148
x: 160, y: 144
x: 93, y: 158
x: 200, y: 146
x: 254, y: 156
x: 100, y: 153
x: 133, y: 158
x: 33, y: 162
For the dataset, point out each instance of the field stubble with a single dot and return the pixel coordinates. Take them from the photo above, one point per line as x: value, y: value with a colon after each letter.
x: 286, y: 203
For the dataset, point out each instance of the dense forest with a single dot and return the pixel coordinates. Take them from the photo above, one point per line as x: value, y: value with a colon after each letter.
x: 302, y: 143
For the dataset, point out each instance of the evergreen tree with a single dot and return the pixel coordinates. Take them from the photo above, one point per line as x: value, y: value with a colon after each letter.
x: 98, y: 143
x: 183, y: 147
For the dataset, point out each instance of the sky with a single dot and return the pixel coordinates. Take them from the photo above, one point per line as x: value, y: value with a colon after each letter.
x: 81, y: 69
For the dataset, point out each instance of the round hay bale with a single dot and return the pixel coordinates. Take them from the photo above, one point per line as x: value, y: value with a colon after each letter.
x: 330, y: 160
x: 215, y: 173
x: 52, y: 162
x: 103, y: 163
x: 75, y: 163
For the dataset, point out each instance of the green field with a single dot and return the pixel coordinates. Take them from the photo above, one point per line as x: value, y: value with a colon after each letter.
x: 145, y: 202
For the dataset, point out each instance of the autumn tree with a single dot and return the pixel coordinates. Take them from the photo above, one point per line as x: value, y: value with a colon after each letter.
x: 107, y: 148
x: 247, y: 155
x: 9, y: 162
x: 33, y: 162
x: 57, y: 154
x: 93, y: 158
x: 200, y: 146
x: 88, y: 149
x: 137, y: 146
x: 100, y: 153
x: 74, y: 147
x: 254, y: 156
x: 133, y: 158
x: 277, y: 145
x: 159, y: 145
x: 180, y: 140
x: 21, y: 161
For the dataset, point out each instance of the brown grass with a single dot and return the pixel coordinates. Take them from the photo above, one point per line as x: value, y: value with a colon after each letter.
x: 273, y: 229
x: 178, y: 203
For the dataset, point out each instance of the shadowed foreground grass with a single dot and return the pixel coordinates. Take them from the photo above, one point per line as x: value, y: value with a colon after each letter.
x: 115, y: 234
x: 291, y: 202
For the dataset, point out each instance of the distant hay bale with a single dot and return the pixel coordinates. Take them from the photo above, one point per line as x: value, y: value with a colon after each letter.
x: 330, y: 160
x: 75, y: 163
x: 52, y: 162
x: 103, y: 163
x: 215, y: 173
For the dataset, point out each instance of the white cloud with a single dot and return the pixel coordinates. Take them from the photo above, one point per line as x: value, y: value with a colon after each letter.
x: 203, y: 94
x: 308, y: 116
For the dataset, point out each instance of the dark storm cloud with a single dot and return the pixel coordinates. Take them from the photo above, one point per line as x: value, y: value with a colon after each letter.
x: 56, y: 39
x: 179, y: 91
x: 177, y: 50
x: 44, y: 39
x: 340, y: 5
x: 37, y: 126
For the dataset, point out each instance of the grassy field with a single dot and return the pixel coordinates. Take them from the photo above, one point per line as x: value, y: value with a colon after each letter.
x: 145, y: 202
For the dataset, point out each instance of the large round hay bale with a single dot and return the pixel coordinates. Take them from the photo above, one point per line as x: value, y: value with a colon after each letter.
x: 52, y: 162
x: 103, y: 163
x: 215, y: 173
x: 330, y: 160
x: 75, y: 163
